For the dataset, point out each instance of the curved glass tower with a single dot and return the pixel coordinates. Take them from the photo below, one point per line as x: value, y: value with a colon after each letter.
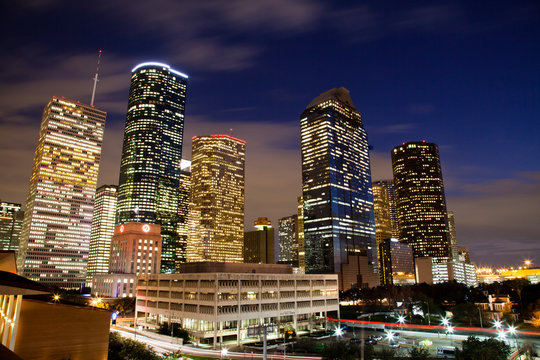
x: 150, y: 168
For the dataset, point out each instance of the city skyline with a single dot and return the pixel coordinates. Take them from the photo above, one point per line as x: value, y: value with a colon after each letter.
x: 459, y: 78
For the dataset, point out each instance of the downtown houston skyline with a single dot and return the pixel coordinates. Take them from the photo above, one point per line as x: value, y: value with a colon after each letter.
x: 459, y: 75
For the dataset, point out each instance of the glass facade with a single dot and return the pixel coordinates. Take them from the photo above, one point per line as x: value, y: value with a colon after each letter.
x: 102, y: 231
x: 288, y: 240
x: 55, y: 235
x: 381, y: 205
x: 395, y: 258
x: 420, y: 200
x: 389, y: 186
x: 336, y: 184
x: 151, y: 155
x: 300, y: 230
x: 183, y: 212
x: 11, y: 218
x: 217, y: 199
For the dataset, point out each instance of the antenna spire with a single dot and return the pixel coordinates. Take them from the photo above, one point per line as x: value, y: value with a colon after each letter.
x: 95, y: 79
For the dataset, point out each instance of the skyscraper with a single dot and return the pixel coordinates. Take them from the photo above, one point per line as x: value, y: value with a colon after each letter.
x: 300, y: 229
x: 55, y: 236
x: 383, y: 221
x: 149, y: 181
x: 420, y: 200
x: 183, y: 212
x: 11, y: 218
x: 395, y: 258
x: 453, y: 235
x: 259, y: 243
x: 217, y: 196
x: 102, y: 231
x: 339, y: 226
x: 389, y: 186
x: 288, y: 240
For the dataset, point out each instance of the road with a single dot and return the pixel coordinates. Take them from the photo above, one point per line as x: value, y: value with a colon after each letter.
x: 164, y: 347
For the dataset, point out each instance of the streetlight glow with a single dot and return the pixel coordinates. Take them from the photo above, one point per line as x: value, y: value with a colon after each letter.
x: 450, y: 329
x: 401, y: 319
x: 497, y: 324
x: 390, y: 336
x: 338, y: 332
x: 512, y: 330
x: 224, y: 352
x: 445, y: 321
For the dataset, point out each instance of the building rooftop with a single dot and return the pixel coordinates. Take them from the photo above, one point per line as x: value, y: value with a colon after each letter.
x: 222, y: 267
x: 13, y: 284
x: 340, y: 94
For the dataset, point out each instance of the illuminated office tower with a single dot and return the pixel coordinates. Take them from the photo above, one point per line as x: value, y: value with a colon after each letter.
x: 389, y: 185
x: 149, y: 181
x: 453, y: 236
x: 55, y: 236
x: 339, y: 228
x: 381, y: 205
x: 259, y: 243
x: 102, y: 231
x: 395, y: 261
x: 420, y: 200
x: 11, y: 218
x: 288, y: 240
x: 183, y: 212
x: 217, y: 196
x: 300, y: 229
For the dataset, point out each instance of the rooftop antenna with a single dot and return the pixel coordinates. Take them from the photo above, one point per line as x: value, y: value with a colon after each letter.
x: 230, y: 132
x: 95, y: 80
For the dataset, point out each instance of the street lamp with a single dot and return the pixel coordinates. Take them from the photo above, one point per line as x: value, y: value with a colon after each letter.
x: 513, y: 332
x: 445, y: 321
x: 338, y: 332
x: 497, y: 324
x: 224, y: 353
x: 401, y: 320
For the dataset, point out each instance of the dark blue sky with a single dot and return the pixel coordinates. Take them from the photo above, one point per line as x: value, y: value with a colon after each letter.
x: 464, y: 75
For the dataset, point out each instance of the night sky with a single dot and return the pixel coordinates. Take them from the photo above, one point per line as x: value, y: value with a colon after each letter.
x: 464, y: 75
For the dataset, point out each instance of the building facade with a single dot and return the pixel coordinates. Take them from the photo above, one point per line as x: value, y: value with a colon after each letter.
x: 454, y: 249
x: 217, y: 199
x: 183, y: 212
x: 218, y: 302
x: 300, y: 229
x: 434, y: 271
x: 11, y: 218
x: 420, y: 199
x: 395, y: 260
x: 259, y: 243
x: 336, y: 185
x: 383, y: 221
x: 55, y: 235
x: 288, y: 240
x: 135, y: 250
x: 102, y: 231
x: 389, y: 186
x: 149, y: 181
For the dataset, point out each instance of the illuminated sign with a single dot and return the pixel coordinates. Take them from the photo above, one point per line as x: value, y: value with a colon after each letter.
x: 146, y: 228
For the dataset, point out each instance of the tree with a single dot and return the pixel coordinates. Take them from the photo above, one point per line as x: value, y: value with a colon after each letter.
x: 475, y: 349
x: 121, y: 348
x: 124, y: 305
x: 417, y: 353
x: 175, y: 330
x: 466, y: 313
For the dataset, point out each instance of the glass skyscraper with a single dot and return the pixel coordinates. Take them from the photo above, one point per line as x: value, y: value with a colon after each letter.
x: 150, y: 168
x: 288, y: 240
x: 336, y: 183
x: 389, y: 186
x: 102, y: 231
x: 420, y: 200
x: 217, y: 196
x: 55, y: 235
x: 11, y: 218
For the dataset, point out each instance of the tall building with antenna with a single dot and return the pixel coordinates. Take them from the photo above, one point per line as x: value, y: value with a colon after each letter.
x: 150, y: 169
x: 55, y: 235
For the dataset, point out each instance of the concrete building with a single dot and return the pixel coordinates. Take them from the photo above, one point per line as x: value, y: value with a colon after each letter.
x: 55, y: 236
x: 259, y: 243
x: 339, y: 224
x: 102, y: 232
x: 434, y: 271
x: 149, y: 182
x: 389, y: 186
x: 217, y: 199
x: 135, y: 250
x: 183, y: 212
x: 77, y: 332
x: 218, y: 302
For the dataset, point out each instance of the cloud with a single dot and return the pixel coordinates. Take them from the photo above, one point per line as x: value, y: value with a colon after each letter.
x: 500, y: 215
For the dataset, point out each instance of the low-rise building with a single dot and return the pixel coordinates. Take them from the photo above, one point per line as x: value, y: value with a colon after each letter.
x: 218, y: 302
x: 496, y: 307
x: 438, y: 270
